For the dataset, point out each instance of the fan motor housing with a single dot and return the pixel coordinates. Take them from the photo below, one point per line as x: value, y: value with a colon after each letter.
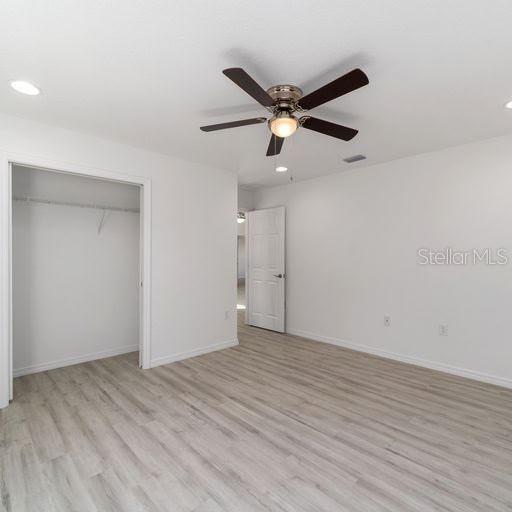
x: 285, y: 96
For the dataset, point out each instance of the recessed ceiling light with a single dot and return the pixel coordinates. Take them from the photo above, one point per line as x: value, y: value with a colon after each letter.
x: 508, y: 105
x: 25, y: 87
x: 281, y: 168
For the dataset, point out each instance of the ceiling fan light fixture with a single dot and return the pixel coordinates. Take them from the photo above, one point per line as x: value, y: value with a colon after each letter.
x: 285, y: 100
x: 283, y: 124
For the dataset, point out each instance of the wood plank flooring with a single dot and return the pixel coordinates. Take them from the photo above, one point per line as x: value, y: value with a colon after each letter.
x: 278, y: 423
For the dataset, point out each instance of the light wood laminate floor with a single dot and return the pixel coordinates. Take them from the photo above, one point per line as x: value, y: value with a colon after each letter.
x: 278, y: 423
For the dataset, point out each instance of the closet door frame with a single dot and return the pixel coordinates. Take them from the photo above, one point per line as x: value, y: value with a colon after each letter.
x: 6, y: 308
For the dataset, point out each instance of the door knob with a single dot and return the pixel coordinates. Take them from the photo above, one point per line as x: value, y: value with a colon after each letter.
x: 280, y: 276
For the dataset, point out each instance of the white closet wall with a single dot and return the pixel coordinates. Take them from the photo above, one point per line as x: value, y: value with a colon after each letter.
x: 75, y: 291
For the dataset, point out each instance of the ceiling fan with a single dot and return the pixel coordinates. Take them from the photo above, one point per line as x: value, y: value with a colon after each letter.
x: 283, y: 101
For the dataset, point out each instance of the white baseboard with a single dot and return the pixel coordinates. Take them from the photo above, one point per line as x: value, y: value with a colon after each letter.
x: 425, y: 363
x: 193, y: 353
x: 42, y: 367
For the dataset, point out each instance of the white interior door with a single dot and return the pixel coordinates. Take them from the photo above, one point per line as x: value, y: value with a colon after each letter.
x: 266, y: 273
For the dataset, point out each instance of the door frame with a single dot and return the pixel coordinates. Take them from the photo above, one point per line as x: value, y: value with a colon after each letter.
x: 245, y: 224
x: 6, y: 305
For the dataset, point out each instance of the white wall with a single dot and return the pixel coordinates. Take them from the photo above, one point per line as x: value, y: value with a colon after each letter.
x: 191, y: 294
x: 240, y: 228
x: 245, y: 199
x: 75, y: 292
x: 72, y: 188
x: 241, y: 257
x: 245, y: 204
x: 352, y: 241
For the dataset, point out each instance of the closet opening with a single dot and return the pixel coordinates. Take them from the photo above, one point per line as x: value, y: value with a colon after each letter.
x: 77, y: 270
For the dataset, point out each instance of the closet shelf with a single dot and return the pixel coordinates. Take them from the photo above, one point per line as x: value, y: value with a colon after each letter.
x: 77, y: 205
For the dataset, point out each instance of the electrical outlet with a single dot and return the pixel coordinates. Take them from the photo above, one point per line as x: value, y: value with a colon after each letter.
x: 226, y: 314
x: 387, y: 321
x: 443, y: 330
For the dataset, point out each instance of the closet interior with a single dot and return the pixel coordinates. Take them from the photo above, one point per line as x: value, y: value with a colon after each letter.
x: 76, y: 272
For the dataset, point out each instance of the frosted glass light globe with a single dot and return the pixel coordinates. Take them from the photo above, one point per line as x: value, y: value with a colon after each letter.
x: 283, y: 125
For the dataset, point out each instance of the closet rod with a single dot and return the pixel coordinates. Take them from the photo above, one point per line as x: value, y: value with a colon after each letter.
x: 78, y: 205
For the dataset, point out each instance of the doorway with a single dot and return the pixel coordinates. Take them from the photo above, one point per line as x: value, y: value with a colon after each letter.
x: 66, y: 270
x: 75, y: 254
x: 241, y: 263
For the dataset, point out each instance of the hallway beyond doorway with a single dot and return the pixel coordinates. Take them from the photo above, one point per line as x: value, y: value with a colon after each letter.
x: 240, y: 303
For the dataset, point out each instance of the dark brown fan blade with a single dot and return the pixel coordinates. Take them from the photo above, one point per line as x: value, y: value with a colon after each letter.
x: 342, y: 85
x: 233, y: 124
x: 243, y: 80
x: 275, y: 145
x: 327, y: 128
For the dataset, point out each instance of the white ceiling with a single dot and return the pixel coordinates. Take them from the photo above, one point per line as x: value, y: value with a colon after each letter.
x: 148, y: 73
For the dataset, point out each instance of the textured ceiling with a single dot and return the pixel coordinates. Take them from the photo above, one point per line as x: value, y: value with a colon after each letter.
x: 148, y: 73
